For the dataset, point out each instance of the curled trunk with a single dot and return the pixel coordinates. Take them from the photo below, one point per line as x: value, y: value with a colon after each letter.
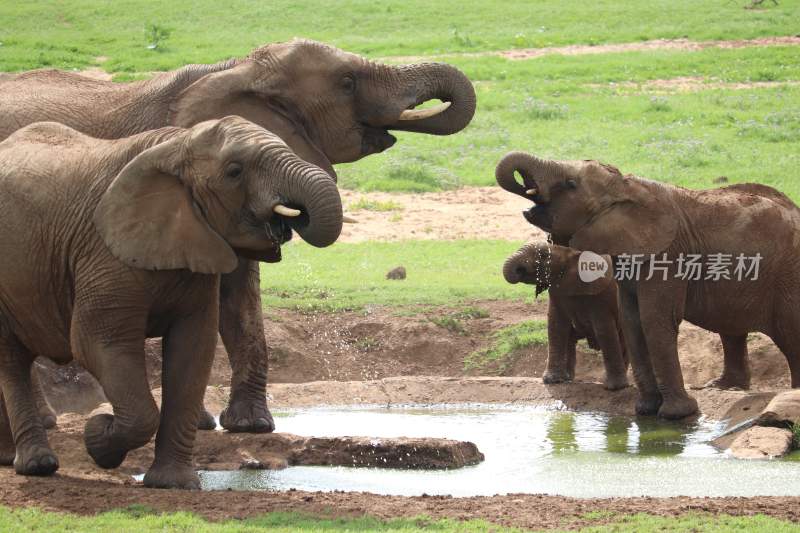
x: 529, y: 167
x: 314, y: 192
x: 428, y: 81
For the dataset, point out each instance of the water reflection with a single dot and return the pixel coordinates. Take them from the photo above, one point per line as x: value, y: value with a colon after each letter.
x: 529, y: 450
x: 644, y: 436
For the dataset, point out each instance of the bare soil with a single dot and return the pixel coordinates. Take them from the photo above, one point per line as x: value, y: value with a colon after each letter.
x: 644, y: 46
x: 446, y: 215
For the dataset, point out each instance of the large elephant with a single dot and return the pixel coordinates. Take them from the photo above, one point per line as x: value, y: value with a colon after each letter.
x: 577, y: 309
x: 665, y: 230
x: 107, y: 242
x: 329, y: 106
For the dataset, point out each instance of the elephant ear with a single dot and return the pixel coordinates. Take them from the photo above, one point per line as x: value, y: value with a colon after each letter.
x: 241, y: 90
x: 640, y: 222
x: 148, y: 219
x: 573, y: 285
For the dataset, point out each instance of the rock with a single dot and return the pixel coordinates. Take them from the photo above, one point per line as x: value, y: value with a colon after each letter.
x: 782, y: 411
x: 397, y: 273
x: 407, y: 453
x: 762, y: 443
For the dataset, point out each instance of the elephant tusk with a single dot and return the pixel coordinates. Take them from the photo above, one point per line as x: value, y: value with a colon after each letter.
x: 348, y: 220
x: 532, y: 192
x: 286, y: 211
x: 418, y: 114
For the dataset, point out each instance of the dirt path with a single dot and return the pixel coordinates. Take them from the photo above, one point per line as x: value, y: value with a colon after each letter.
x: 466, y: 213
x: 613, y: 48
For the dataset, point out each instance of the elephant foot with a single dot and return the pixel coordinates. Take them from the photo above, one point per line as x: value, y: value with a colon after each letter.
x: 551, y: 378
x: 247, y: 417
x: 677, y: 408
x: 648, y: 404
x: 35, y: 461
x: 729, y: 382
x: 616, y: 383
x: 172, y: 476
x: 97, y: 437
x: 207, y: 421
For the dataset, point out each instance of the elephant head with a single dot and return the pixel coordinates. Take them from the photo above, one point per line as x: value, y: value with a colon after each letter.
x: 547, y: 265
x: 328, y: 105
x: 591, y: 205
x: 204, y: 195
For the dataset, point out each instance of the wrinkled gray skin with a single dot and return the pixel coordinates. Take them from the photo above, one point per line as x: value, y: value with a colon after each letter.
x: 107, y: 242
x: 577, y: 310
x: 329, y: 106
x: 592, y: 206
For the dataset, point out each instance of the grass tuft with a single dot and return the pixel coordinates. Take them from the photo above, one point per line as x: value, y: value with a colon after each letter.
x: 506, y: 345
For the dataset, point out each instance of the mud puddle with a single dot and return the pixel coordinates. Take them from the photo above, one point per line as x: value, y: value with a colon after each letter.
x: 528, y: 449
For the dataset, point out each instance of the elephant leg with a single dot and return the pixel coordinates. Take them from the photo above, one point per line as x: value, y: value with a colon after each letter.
x: 188, y: 356
x: 643, y: 375
x: 242, y: 328
x: 661, y: 311
x: 33, y: 455
x: 46, y: 412
x: 7, y: 449
x: 559, y: 338
x: 736, y: 371
x: 616, y: 366
x: 118, y: 363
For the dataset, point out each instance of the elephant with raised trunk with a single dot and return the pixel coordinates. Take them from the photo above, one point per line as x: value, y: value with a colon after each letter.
x: 577, y: 310
x: 592, y: 206
x: 108, y: 242
x: 329, y: 106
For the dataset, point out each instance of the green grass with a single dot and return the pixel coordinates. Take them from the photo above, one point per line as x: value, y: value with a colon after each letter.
x: 352, y: 276
x: 505, y: 346
x: 375, y: 205
x: 72, y: 33
x: 142, y: 520
x: 599, y: 107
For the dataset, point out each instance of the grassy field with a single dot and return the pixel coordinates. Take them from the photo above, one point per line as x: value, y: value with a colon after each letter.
x: 73, y: 33
x: 142, y: 521
x: 352, y: 276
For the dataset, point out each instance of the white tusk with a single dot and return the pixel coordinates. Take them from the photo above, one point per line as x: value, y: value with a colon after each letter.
x: 417, y: 114
x: 286, y: 211
x: 532, y: 192
x: 347, y: 220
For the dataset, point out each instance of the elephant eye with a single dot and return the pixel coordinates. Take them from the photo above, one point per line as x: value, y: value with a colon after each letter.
x: 233, y: 170
x: 349, y: 84
x: 571, y: 184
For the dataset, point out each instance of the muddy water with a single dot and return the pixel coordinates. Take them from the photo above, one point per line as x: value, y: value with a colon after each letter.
x: 528, y: 450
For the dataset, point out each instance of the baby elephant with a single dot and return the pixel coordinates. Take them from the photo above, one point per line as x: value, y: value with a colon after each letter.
x: 578, y: 309
x: 106, y: 242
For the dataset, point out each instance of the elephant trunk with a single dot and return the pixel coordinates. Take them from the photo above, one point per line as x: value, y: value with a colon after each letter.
x: 428, y: 81
x: 511, y: 268
x: 312, y: 191
x: 530, y: 167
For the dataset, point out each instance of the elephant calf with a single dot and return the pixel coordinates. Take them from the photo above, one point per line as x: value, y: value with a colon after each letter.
x: 106, y: 242
x: 578, y: 309
x: 727, y: 260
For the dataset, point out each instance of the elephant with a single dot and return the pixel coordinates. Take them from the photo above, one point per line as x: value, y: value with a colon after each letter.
x: 108, y: 242
x: 577, y: 309
x: 663, y: 229
x: 328, y: 105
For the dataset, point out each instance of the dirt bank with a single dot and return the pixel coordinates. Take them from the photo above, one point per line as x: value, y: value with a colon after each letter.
x: 384, y: 343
